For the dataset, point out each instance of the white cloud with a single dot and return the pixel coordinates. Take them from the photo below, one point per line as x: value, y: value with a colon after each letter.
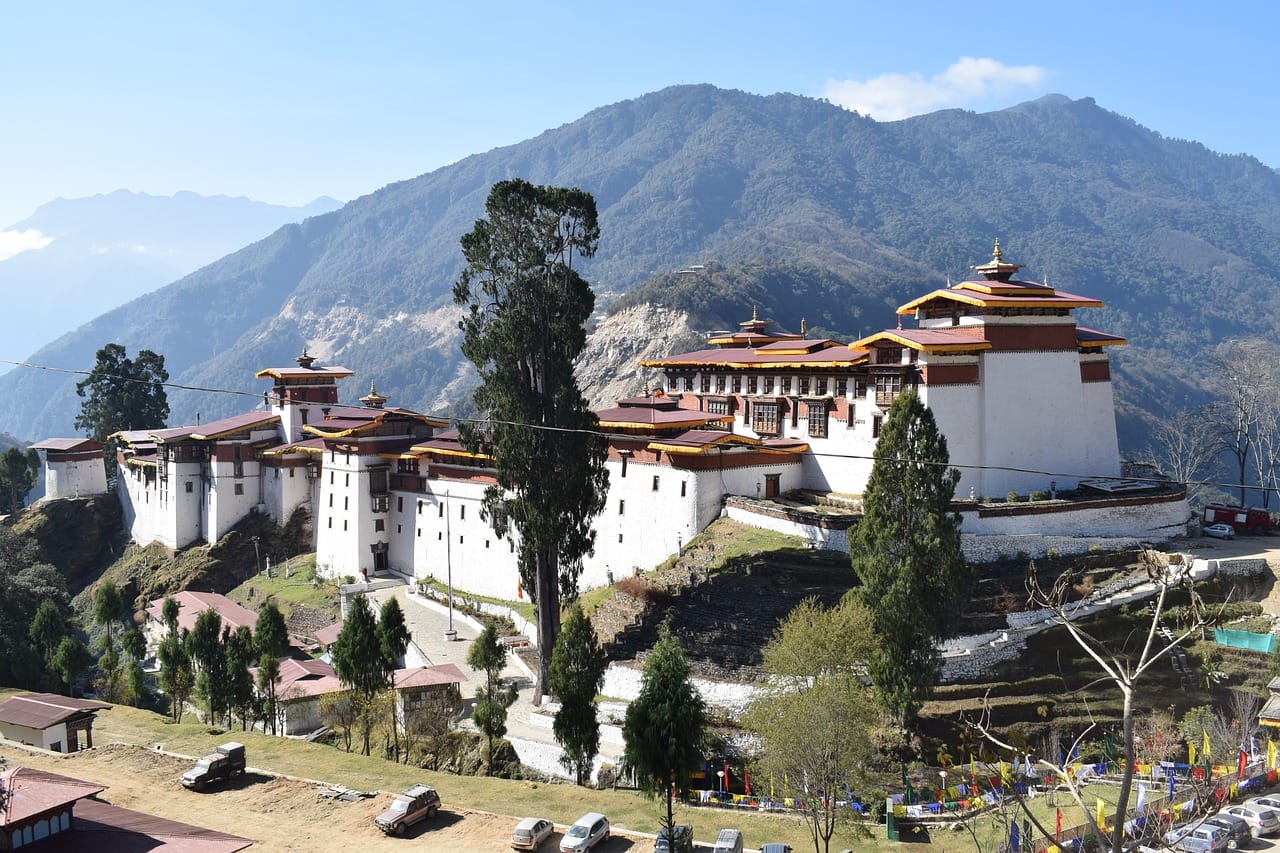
x: 894, y: 96
x: 16, y: 242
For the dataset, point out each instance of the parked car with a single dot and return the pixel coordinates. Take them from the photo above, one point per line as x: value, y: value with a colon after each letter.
x: 530, y: 833
x: 728, y: 841
x: 586, y: 832
x: 683, y: 843
x: 416, y: 804
x: 1262, y: 820
x: 1267, y: 801
x: 1238, y: 831
x: 228, y: 761
x: 1220, y: 531
x: 1197, y: 838
x: 776, y: 848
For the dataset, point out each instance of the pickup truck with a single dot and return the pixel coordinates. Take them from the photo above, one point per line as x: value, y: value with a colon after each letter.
x: 228, y: 761
x: 418, y: 803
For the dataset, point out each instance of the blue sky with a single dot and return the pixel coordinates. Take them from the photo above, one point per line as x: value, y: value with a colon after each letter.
x: 283, y: 102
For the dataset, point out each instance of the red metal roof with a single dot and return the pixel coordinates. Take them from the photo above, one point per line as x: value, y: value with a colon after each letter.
x: 101, y: 826
x: 191, y: 604
x: 838, y: 355
x: 30, y: 792
x: 993, y: 294
x: 326, y: 635
x: 949, y: 338
x: 67, y: 444
x: 429, y: 676
x: 1092, y: 337
x: 42, y: 710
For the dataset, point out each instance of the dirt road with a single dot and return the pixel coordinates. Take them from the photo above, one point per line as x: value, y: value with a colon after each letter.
x: 278, y: 814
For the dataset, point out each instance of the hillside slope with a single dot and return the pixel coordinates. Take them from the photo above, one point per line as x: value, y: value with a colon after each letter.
x: 815, y: 212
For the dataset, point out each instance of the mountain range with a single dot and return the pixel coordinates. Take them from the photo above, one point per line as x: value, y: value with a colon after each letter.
x: 89, y: 255
x: 714, y: 202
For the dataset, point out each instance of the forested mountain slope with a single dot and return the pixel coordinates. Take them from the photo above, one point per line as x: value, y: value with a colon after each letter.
x: 792, y: 204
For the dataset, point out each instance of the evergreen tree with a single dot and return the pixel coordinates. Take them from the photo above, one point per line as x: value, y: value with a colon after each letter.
x: 358, y: 659
x: 665, y: 730
x: 577, y: 674
x: 177, y: 677
x: 268, y: 672
x: 18, y: 474
x: 492, y: 700
x: 68, y: 660
x: 48, y: 627
x: 169, y: 613
x: 906, y: 554
x: 204, y: 645
x: 122, y: 394
x: 270, y: 633
x: 241, y: 699
x: 525, y: 324
x: 108, y: 608
x: 393, y: 638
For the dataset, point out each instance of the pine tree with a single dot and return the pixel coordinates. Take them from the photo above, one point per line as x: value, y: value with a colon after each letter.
x: 358, y: 659
x: 492, y: 700
x: 906, y: 554
x: 525, y: 324
x: 665, y: 729
x: 577, y: 674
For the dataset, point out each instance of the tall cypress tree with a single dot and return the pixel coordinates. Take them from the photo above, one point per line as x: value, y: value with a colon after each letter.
x: 577, y: 673
x: 906, y: 553
x: 526, y: 310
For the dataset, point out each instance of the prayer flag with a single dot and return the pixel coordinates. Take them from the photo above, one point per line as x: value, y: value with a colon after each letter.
x: 1205, y: 750
x: 1191, y: 753
x: 1271, y: 754
x: 1102, y: 814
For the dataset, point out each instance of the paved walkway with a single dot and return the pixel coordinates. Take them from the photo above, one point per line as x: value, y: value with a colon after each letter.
x: 535, y: 743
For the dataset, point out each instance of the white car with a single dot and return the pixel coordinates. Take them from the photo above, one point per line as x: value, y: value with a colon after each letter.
x: 1266, y: 801
x: 1262, y: 820
x: 586, y: 832
x: 530, y: 833
x: 1220, y: 531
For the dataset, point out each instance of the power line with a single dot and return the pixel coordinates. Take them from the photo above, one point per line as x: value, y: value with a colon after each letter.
x: 1065, y: 475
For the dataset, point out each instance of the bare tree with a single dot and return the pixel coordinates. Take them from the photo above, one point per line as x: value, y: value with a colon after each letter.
x: 1246, y: 375
x: 1185, y: 447
x: 1123, y: 669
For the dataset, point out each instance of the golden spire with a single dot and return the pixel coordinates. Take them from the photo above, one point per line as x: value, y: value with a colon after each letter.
x: 755, y: 315
x: 804, y: 327
x: 995, y: 253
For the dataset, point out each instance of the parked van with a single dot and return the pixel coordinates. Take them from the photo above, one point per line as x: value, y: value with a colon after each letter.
x: 728, y: 841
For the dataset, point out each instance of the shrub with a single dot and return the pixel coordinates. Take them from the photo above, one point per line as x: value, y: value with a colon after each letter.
x: 1038, y: 496
x: 1012, y: 497
x: 642, y: 590
x: 1052, y: 553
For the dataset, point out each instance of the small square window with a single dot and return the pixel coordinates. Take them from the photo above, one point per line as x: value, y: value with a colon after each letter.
x: 441, y: 505
x: 400, y: 504
x: 462, y: 511
x: 331, y: 500
x: 420, y: 507
x: 239, y: 488
x: 190, y: 486
x: 619, y: 538
x: 655, y: 484
x: 379, y: 525
x: 398, y: 529
x: 486, y: 543
x: 684, y: 485
x: 622, y: 507
x: 419, y: 532
x: 439, y: 537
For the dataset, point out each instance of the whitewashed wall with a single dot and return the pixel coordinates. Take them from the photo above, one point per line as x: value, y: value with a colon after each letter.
x: 74, y: 479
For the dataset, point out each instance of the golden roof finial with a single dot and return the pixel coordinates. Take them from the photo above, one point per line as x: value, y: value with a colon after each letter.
x: 755, y: 315
x: 804, y: 327
x: 995, y: 253
x: 373, y: 389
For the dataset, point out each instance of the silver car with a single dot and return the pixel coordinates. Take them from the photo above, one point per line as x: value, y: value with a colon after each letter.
x: 530, y: 833
x: 1262, y: 820
x: 586, y: 832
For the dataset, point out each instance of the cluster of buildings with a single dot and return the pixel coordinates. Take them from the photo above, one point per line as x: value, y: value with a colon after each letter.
x: 1021, y: 391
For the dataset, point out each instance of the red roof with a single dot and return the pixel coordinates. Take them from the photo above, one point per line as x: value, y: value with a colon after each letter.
x: 333, y: 372
x: 429, y: 676
x: 216, y: 429
x: 996, y: 294
x: 42, y: 710
x: 1092, y: 337
x: 947, y: 338
x: 328, y: 634
x: 837, y: 355
x: 67, y: 444
x: 191, y: 604
x: 101, y: 826
x: 30, y: 792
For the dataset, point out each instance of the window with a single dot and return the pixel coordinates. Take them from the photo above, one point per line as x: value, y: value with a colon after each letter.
x: 822, y: 386
x: 751, y: 384
x: 784, y: 385
x: 378, y: 480
x: 804, y: 386
x: 420, y: 503
x: 719, y: 384
x: 330, y: 478
x: 655, y: 484
x: 888, y: 387
x: 876, y: 421
x: 399, y: 504
x: 619, y: 538
x: 705, y: 383
x: 851, y: 419
x: 379, y: 526
x: 889, y: 355
x: 462, y: 511
x: 684, y: 485
x: 189, y: 486
x: 331, y: 500
x: 305, y: 412
x: 486, y: 543
x: 441, y: 506
x: 346, y: 479
x: 717, y: 407
x: 842, y: 387
x: 764, y: 418
x: 439, y: 536
x: 737, y: 384
x: 622, y: 507
x: 398, y: 529
x: 239, y: 488
x: 344, y: 524
x: 346, y: 503
x: 817, y: 420
x: 624, y: 463
x: 766, y: 385
x: 419, y: 532
x: 330, y: 522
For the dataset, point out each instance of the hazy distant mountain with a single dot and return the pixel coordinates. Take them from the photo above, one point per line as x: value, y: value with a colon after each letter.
x: 800, y: 207
x: 94, y: 254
